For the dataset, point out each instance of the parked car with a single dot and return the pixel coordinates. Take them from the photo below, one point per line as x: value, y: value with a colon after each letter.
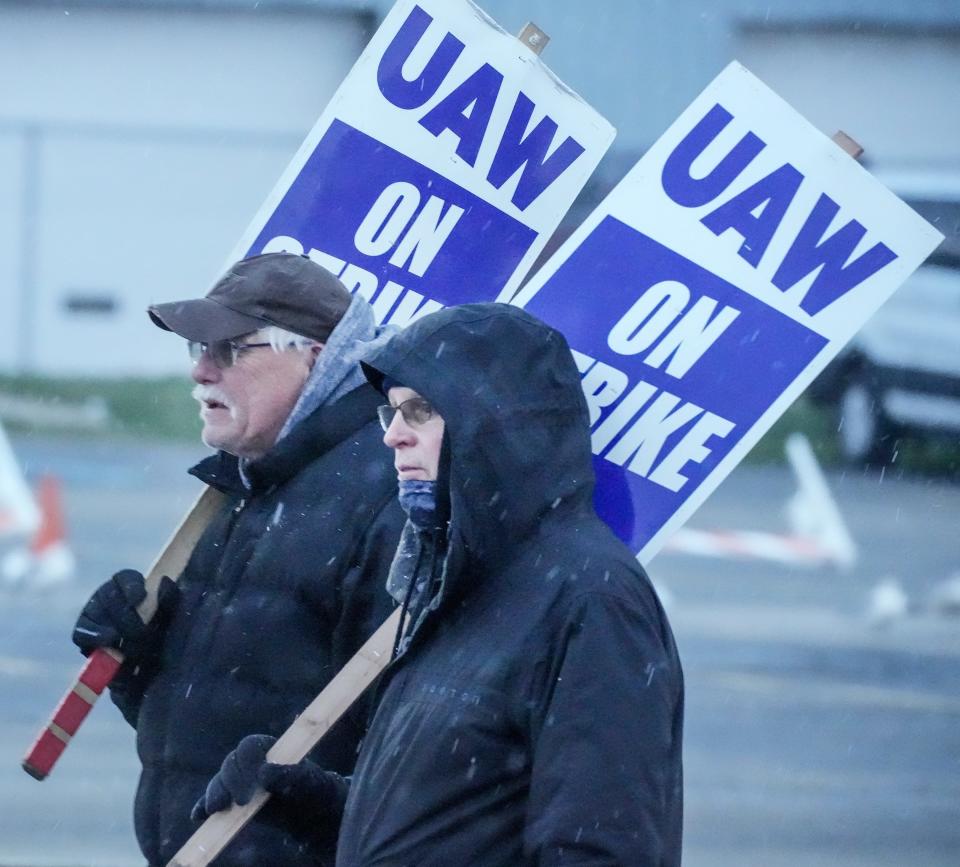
x: 900, y: 375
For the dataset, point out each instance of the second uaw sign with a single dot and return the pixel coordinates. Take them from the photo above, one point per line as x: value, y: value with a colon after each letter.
x: 439, y: 169
x: 710, y: 287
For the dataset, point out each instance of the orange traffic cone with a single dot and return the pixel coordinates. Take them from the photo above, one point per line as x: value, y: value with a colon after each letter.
x: 54, y: 561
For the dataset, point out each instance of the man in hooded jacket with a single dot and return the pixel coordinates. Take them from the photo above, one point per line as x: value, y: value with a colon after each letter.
x: 533, y: 711
x: 533, y: 714
x: 285, y: 583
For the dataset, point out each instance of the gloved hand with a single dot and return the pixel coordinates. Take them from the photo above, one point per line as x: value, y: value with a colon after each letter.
x: 110, y: 619
x: 304, y: 785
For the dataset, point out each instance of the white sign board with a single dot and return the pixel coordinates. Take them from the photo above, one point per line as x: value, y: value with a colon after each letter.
x: 708, y: 290
x: 440, y: 168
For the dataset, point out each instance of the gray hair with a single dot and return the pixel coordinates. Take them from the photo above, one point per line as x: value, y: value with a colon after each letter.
x: 281, y: 339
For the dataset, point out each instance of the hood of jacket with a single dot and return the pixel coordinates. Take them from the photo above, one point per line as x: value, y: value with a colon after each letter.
x: 516, y: 421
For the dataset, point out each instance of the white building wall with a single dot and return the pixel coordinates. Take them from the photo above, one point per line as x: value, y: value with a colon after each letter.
x: 11, y: 227
x: 142, y: 141
x: 895, y: 93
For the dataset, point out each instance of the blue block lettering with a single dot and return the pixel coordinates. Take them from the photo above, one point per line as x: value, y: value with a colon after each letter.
x: 692, y: 192
x: 773, y: 194
x: 478, y: 94
x: 760, y: 352
x: 412, y: 94
x: 530, y: 154
x: 808, y: 252
x: 440, y: 247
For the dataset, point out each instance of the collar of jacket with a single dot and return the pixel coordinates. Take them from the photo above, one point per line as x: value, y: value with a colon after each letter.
x: 314, y: 436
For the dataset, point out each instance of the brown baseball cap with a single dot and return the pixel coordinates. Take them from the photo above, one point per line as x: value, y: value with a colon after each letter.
x: 283, y: 289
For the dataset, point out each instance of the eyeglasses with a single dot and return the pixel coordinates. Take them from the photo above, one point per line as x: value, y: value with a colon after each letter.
x: 416, y: 411
x: 223, y: 353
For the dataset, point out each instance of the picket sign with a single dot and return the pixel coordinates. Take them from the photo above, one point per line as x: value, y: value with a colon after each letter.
x: 709, y: 288
x: 435, y: 178
x: 439, y: 170
x: 103, y: 664
x: 476, y: 207
x: 305, y: 732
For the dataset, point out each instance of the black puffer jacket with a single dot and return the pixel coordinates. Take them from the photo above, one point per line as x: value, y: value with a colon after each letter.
x: 535, y: 714
x: 284, y: 586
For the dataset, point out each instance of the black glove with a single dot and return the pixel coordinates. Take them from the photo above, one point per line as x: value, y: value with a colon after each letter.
x: 304, y: 785
x: 110, y: 619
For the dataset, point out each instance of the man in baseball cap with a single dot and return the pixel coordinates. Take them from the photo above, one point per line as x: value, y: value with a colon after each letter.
x: 281, y: 289
x: 286, y: 582
x: 254, y: 340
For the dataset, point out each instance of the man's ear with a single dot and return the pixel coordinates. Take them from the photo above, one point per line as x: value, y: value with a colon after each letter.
x: 315, y: 350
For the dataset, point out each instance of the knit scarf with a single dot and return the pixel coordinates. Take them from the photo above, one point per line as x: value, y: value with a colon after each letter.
x: 336, y: 371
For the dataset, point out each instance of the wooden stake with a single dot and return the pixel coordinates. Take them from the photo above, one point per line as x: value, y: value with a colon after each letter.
x: 848, y: 144
x: 346, y: 687
x: 533, y: 37
x: 103, y: 664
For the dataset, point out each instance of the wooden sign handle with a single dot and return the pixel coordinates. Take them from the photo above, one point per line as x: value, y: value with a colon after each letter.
x: 103, y: 664
x: 533, y: 37
x: 346, y: 687
x: 842, y: 140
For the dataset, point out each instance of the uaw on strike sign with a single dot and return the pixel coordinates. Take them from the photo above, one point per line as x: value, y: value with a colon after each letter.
x: 435, y: 176
x: 700, y: 298
x: 709, y: 288
x: 440, y: 167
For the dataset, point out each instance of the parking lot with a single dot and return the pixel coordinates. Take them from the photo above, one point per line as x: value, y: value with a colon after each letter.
x: 816, y: 734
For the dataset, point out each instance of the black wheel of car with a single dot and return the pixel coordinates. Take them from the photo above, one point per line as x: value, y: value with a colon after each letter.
x: 864, y: 435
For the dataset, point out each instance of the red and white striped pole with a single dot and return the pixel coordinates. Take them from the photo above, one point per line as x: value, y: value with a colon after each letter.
x: 103, y: 664
x: 93, y: 679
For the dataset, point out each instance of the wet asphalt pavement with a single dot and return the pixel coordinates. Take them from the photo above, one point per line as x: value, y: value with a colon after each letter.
x: 814, y: 736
